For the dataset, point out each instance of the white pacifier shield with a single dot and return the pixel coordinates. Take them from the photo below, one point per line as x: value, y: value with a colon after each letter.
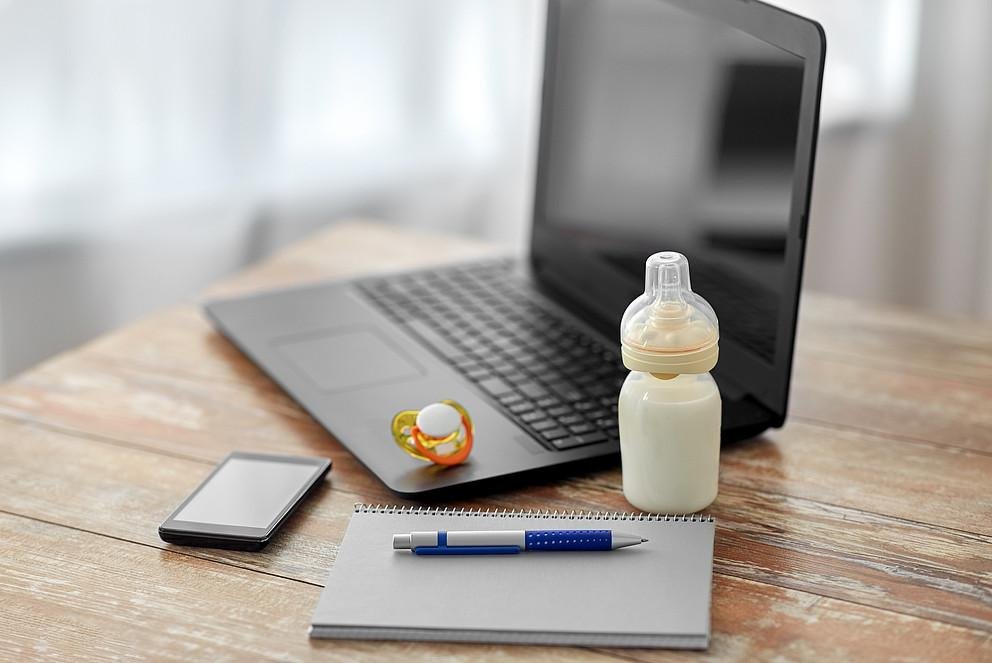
x: 438, y: 420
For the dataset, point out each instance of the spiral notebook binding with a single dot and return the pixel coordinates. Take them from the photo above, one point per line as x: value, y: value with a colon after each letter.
x: 531, y: 513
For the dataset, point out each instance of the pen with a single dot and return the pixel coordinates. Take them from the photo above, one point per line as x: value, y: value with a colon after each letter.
x: 508, y: 542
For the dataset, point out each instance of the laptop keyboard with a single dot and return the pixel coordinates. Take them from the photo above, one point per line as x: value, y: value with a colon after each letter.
x: 545, y: 373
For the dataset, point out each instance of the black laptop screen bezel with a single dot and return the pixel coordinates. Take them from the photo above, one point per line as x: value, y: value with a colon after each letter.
x: 551, y: 255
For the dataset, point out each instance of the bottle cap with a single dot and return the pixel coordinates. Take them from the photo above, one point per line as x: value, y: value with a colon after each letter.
x: 669, y: 329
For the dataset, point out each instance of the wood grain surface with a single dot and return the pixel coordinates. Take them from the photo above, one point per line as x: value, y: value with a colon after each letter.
x: 862, y: 530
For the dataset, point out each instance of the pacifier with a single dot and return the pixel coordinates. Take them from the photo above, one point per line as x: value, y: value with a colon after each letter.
x: 440, y: 433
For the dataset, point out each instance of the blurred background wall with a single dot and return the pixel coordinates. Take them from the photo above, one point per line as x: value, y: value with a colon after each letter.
x: 149, y: 147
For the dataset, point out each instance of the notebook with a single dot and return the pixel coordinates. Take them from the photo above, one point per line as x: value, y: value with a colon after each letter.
x: 656, y: 594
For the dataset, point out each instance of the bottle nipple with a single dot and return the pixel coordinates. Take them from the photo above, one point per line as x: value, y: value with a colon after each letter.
x: 669, y: 329
x: 669, y: 310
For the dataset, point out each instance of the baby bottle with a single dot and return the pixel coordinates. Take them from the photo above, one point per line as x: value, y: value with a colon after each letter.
x: 669, y: 410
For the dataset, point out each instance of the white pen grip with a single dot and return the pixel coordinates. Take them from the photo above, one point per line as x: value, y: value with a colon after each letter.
x: 516, y: 537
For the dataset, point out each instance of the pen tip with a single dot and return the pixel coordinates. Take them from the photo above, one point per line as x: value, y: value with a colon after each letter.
x: 644, y: 540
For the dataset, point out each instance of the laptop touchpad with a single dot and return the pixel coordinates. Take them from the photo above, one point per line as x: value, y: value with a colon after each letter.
x: 350, y: 358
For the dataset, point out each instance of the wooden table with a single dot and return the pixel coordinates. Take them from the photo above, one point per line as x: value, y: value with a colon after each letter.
x: 861, y: 530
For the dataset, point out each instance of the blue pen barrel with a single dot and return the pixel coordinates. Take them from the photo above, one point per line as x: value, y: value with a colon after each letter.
x: 569, y: 539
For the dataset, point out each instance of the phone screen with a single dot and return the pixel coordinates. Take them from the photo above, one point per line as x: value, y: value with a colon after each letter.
x: 247, y: 492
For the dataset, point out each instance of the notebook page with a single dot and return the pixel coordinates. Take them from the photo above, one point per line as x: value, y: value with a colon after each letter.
x: 659, y: 587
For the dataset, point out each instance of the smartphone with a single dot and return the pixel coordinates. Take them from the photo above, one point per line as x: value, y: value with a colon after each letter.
x: 244, y: 501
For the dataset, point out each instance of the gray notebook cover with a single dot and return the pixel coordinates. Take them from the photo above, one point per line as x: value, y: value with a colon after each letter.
x: 656, y: 594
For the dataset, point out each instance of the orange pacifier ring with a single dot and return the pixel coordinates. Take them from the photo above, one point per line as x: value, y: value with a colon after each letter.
x: 420, y: 433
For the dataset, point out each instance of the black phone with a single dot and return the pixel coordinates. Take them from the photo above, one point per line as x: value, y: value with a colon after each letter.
x: 244, y: 501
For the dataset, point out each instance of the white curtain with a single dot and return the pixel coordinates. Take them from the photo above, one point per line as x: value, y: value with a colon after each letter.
x: 902, y: 211
x: 148, y: 147
x: 119, y: 106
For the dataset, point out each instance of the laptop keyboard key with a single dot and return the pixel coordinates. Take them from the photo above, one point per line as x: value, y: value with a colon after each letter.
x: 530, y: 417
x: 572, y: 441
x: 510, y: 399
x: 495, y: 386
x: 544, y: 424
x: 553, y: 434
x: 532, y: 390
x: 567, y: 392
x: 521, y: 407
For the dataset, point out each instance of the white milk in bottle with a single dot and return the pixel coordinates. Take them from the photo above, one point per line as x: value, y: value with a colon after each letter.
x: 669, y: 410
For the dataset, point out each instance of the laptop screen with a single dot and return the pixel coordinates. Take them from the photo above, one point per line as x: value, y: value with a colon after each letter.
x: 670, y: 130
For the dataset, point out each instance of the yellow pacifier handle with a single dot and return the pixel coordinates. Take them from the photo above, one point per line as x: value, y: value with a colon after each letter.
x: 403, y: 423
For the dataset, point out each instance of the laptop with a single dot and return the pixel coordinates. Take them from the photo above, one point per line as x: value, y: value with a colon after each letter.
x: 665, y: 125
